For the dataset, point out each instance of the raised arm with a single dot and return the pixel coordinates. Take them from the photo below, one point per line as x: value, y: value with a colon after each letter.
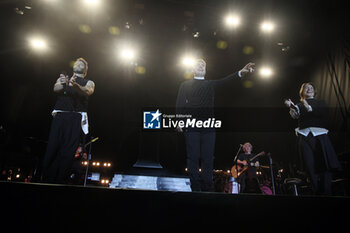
x: 249, y: 68
x: 294, y: 110
x: 88, y: 89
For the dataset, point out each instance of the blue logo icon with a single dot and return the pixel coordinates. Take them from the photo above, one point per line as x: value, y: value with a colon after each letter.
x: 151, y: 120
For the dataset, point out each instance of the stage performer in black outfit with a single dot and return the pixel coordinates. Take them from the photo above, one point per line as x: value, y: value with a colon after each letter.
x: 69, y: 124
x: 196, y: 98
x: 314, y: 144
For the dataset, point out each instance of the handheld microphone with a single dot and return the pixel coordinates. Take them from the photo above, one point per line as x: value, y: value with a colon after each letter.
x: 292, y: 105
x: 64, y: 72
x: 72, y: 79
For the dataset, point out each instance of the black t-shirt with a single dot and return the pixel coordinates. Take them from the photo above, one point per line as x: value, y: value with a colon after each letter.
x: 316, y: 118
x: 71, y: 100
x: 248, y: 158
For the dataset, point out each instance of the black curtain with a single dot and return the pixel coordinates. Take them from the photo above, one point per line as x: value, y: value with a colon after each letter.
x: 332, y: 81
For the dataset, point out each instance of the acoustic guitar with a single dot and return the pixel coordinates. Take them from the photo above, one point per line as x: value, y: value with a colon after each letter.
x: 239, y: 169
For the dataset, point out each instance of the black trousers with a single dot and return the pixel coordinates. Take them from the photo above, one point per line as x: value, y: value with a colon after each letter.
x: 249, y: 184
x: 320, y: 175
x: 200, y: 146
x: 64, y: 138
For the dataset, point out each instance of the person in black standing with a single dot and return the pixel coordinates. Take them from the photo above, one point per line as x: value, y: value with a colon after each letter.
x: 314, y: 144
x: 196, y: 98
x: 69, y: 124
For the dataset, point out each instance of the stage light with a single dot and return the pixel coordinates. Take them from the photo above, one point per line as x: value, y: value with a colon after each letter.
x: 38, y: 44
x: 92, y: 2
x: 127, y: 54
x: 248, y: 84
x: 94, y: 164
x: 84, y: 28
x: 98, y: 164
x: 267, y: 26
x: 104, y: 181
x: 140, y: 70
x: 108, y: 164
x: 221, y: 44
x: 233, y: 21
x: 188, y: 61
x: 50, y: 1
x: 105, y: 164
x: 266, y: 72
x: 92, y: 7
x: 113, y: 30
x: 196, y: 34
x: 248, y: 50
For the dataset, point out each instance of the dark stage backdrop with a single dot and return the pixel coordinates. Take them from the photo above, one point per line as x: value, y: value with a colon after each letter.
x: 332, y: 77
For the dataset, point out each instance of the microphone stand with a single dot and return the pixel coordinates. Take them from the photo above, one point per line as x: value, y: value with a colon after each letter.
x: 272, y: 178
x: 87, y: 166
x: 235, y: 165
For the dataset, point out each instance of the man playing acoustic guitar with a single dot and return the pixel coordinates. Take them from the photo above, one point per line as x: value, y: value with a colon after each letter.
x: 246, y: 170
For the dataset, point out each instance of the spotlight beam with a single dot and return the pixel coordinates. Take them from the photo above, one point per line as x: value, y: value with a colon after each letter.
x: 233, y: 21
x: 266, y: 72
x: 92, y: 3
x: 128, y: 54
x: 188, y: 61
x: 267, y: 26
x: 38, y: 44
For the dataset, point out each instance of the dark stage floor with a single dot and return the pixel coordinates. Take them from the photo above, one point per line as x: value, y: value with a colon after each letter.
x: 29, y: 207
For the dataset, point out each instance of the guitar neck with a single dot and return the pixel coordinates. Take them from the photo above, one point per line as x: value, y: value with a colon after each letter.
x: 261, y: 153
